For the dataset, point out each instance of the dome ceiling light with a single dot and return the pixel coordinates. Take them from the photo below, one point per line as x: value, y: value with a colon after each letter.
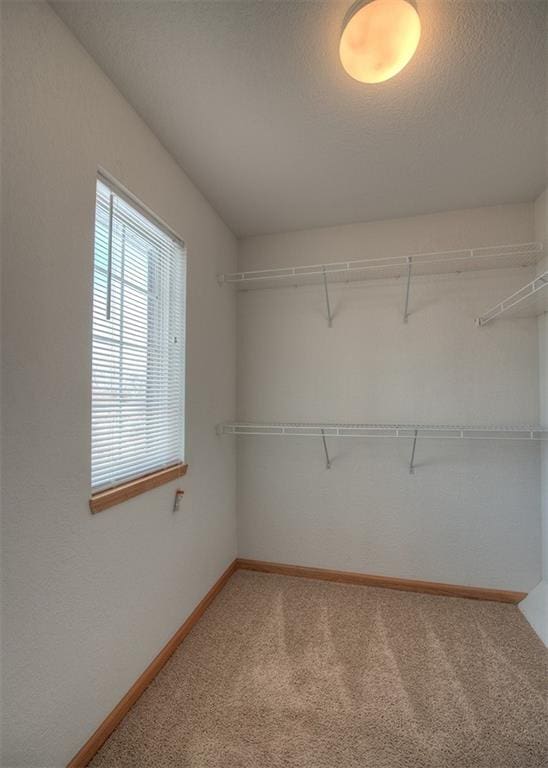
x: 379, y: 38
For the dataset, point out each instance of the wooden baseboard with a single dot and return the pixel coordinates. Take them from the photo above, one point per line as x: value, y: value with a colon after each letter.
x: 95, y: 742
x: 408, y: 585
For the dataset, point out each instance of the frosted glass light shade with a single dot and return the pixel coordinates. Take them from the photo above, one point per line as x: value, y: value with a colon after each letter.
x: 379, y: 39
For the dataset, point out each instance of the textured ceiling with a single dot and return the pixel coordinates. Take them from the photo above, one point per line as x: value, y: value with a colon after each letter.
x: 251, y: 100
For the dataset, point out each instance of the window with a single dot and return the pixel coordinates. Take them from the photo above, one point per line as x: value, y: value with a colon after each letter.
x: 138, y: 359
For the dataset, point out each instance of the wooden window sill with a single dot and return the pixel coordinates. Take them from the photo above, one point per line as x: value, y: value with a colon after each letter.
x: 112, y: 496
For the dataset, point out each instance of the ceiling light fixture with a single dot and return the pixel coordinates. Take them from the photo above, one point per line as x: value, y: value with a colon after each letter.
x: 379, y: 38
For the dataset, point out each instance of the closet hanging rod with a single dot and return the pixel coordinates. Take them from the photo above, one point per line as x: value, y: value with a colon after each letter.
x: 518, y: 254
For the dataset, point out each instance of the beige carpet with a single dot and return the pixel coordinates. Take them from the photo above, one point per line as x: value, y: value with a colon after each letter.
x: 286, y: 672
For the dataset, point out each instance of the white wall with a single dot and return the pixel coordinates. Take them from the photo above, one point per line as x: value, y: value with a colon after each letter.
x: 541, y: 226
x: 470, y: 514
x: 535, y: 607
x: 90, y: 600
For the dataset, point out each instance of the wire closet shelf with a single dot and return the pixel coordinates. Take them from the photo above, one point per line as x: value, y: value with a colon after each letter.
x: 530, y: 301
x: 436, y: 262
x: 330, y: 429
x: 412, y: 432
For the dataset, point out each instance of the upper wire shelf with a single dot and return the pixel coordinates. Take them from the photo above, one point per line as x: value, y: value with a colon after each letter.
x: 436, y: 262
x: 330, y: 429
x: 530, y: 301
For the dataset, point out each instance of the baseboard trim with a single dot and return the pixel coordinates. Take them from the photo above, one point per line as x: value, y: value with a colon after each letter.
x: 388, y: 582
x: 96, y: 741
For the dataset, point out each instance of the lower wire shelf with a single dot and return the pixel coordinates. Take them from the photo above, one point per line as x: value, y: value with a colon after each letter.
x: 412, y: 432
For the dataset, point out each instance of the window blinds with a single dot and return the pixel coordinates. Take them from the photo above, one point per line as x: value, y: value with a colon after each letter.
x: 138, y: 343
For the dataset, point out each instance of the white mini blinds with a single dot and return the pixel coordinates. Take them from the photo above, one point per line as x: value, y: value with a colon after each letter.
x: 138, y: 364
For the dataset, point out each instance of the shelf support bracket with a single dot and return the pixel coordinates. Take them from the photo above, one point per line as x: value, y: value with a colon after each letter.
x: 327, y: 459
x: 329, y: 316
x: 407, y: 290
x: 412, y: 460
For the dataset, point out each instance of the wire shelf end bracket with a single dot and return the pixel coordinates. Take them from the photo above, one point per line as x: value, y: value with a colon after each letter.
x: 529, y: 301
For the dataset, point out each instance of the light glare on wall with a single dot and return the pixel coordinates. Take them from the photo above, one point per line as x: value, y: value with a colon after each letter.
x: 379, y: 39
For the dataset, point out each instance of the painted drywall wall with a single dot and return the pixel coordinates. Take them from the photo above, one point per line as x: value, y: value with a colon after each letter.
x: 541, y: 226
x: 535, y: 606
x: 471, y: 512
x: 90, y: 600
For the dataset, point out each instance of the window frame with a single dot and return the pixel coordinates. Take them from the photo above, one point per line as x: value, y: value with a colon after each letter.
x: 127, y: 489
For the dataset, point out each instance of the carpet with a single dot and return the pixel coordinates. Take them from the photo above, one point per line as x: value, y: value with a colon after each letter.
x: 284, y: 672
